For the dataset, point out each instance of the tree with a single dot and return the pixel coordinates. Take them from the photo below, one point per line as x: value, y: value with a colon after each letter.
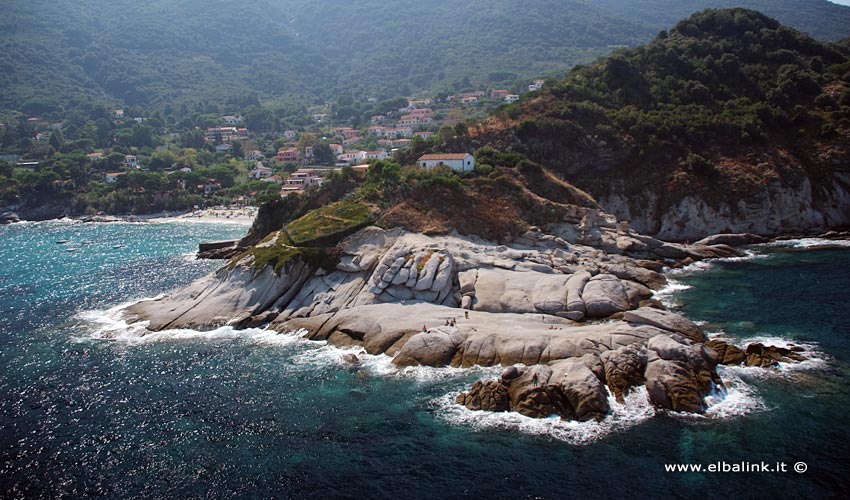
x: 56, y: 139
x: 236, y: 149
x: 162, y: 159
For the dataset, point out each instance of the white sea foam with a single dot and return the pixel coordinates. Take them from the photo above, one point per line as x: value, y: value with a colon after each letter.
x: 635, y: 410
x: 667, y: 294
x: 809, y: 243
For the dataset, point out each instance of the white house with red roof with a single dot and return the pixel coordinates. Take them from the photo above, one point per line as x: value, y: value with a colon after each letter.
x: 460, y: 162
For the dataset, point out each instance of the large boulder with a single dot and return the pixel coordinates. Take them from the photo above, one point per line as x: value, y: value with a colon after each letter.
x: 435, y: 347
x: 766, y: 356
x: 580, y: 386
x: 727, y: 354
x: 624, y: 368
x: 489, y: 395
x: 679, y: 374
x: 734, y: 240
x: 529, y: 394
x: 667, y: 320
x: 605, y: 295
x: 575, y: 286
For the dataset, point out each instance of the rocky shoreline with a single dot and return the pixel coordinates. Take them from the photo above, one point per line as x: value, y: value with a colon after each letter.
x: 572, y: 303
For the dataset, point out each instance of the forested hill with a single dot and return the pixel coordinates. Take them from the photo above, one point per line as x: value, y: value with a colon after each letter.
x: 728, y: 106
x: 160, y: 51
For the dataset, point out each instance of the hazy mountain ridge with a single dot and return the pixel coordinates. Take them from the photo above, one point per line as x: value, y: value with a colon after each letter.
x: 155, y: 52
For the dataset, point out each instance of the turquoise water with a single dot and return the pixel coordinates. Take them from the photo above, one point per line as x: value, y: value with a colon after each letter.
x: 88, y: 407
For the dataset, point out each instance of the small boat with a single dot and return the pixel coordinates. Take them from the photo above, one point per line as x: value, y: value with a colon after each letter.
x: 61, y: 242
x: 71, y: 249
x: 119, y: 246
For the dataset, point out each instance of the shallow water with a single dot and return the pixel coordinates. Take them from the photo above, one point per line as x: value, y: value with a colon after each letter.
x: 89, y: 407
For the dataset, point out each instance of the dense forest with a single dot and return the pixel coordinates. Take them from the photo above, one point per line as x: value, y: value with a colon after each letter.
x: 59, y: 53
x: 723, y: 103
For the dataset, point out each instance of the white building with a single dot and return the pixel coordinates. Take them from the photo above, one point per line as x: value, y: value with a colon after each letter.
x: 255, y: 155
x: 460, y: 162
x: 260, y: 172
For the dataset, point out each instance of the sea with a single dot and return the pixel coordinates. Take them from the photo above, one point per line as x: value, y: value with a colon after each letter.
x: 92, y: 407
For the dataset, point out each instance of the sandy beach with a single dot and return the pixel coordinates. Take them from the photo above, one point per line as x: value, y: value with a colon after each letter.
x: 216, y: 215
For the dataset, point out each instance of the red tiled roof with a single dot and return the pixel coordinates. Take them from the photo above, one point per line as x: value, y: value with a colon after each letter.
x: 443, y: 156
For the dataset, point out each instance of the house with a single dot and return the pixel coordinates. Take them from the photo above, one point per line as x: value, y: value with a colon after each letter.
x: 511, y: 98
x: 361, y: 170
x: 460, y: 162
x: 377, y: 130
x: 346, y: 132
x: 376, y: 155
x: 319, y: 117
x: 422, y: 112
x: 223, y: 148
x: 56, y: 126
x: 287, y: 155
x: 412, y: 121
x: 112, y: 177
x: 139, y: 119
x: 300, y: 180
x: 351, y: 157
x: 41, y: 136
x: 255, y: 155
x: 274, y: 178
x: 336, y: 149
x: 402, y: 143
x: 498, y: 94
x: 131, y: 161
x: 537, y: 85
x: 186, y: 169
x: 226, y: 134
x: 261, y: 172
x: 290, y: 134
x: 211, y: 187
x: 351, y: 140
x: 395, y: 133
x: 232, y: 120
x: 419, y: 103
x: 95, y: 157
x: 118, y: 114
x: 469, y: 100
x: 424, y: 135
x: 378, y: 118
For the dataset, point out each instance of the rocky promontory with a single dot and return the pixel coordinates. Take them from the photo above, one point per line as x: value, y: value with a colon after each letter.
x: 568, y: 308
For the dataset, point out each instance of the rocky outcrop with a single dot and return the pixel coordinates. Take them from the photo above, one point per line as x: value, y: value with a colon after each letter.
x: 756, y: 354
x: 669, y: 321
x: 727, y: 354
x: 8, y: 217
x: 766, y: 356
x: 461, y: 301
x: 678, y: 374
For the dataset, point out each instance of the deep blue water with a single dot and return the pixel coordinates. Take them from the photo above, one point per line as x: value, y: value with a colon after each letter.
x: 89, y: 408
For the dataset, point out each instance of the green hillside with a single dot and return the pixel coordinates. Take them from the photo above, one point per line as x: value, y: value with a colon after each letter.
x: 150, y: 53
x: 722, y: 104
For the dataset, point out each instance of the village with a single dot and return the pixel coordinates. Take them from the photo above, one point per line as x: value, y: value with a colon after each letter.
x: 227, y: 162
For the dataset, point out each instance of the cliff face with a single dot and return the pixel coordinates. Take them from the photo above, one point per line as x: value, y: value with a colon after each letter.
x: 774, y: 209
